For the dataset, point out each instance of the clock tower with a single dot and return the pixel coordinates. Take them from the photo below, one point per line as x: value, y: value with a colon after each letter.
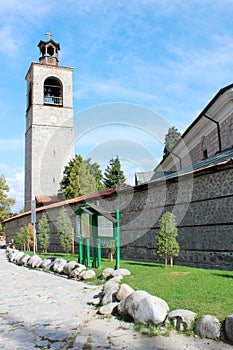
x: 49, y: 138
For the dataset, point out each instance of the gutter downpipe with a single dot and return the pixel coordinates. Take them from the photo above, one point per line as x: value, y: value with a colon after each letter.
x: 218, y: 130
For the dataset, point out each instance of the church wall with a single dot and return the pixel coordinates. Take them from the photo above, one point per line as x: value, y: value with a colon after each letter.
x: 204, y: 217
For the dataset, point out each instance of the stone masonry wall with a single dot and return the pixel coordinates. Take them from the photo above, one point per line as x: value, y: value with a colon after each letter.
x: 203, y: 207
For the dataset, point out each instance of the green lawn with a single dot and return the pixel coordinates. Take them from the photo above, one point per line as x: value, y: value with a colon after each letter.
x: 200, y: 290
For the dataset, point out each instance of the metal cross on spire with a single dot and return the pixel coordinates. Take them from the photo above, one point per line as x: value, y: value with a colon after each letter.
x: 49, y: 35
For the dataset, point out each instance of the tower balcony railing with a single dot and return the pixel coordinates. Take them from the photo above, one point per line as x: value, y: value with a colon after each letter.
x: 53, y: 100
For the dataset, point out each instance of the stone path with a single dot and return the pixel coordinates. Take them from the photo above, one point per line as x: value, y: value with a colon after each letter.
x: 39, y: 310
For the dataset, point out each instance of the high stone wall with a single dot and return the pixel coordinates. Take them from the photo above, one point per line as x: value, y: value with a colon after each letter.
x: 203, y: 206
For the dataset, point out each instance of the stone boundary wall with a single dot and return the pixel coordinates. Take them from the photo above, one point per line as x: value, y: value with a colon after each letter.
x: 203, y: 206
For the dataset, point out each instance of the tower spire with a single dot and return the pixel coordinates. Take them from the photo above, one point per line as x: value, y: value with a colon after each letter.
x: 49, y: 51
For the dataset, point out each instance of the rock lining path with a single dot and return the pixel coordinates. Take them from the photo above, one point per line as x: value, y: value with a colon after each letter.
x: 40, y: 310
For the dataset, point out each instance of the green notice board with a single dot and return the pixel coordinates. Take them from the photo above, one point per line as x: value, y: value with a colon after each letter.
x: 96, y: 228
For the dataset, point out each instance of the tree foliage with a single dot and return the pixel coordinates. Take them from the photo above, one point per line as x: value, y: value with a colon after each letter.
x: 171, y: 138
x: 30, y: 236
x: 77, y: 178
x: 94, y: 169
x: 114, y: 175
x: 21, y: 237
x: 5, y: 203
x: 65, y: 230
x: 86, y: 180
x: 44, y: 233
x: 167, y: 246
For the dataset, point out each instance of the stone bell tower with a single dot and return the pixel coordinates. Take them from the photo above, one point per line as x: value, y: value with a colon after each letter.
x: 49, y: 138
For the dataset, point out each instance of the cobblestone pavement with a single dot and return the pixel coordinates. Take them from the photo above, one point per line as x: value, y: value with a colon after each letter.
x: 40, y: 310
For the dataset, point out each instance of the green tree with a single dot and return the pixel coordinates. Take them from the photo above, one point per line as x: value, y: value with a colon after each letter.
x: 5, y: 203
x: 21, y: 238
x: 86, y: 181
x: 94, y: 169
x: 30, y: 236
x: 171, y: 138
x: 77, y: 179
x: 65, y: 230
x: 167, y: 246
x: 113, y: 175
x: 44, y: 233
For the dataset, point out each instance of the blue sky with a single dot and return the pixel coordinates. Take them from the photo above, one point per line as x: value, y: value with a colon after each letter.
x: 167, y: 56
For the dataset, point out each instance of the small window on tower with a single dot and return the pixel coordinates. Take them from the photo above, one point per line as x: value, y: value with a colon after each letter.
x: 205, y: 154
x: 53, y: 92
x: 30, y: 95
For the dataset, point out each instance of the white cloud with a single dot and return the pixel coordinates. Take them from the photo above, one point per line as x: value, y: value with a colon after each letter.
x: 18, y: 17
x: 25, y: 8
x: 91, y: 87
x: 9, y: 44
x: 3, y: 168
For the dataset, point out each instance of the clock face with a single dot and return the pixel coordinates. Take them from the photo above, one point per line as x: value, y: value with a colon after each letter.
x: 53, y: 119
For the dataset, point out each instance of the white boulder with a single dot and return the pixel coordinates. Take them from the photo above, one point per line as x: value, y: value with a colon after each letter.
x: 107, y: 272
x: 77, y: 270
x: 24, y: 260
x: 58, y: 265
x: 10, y: 253
x: 121, y: 272
x: 109, y: 291
x: 208, y: 327
x: 87, y: 274
x: 229, y: 327
x: 182, y: 319
x: 144, y: 308
x: 108, y: 309
x: 69, y: 267
x: 18, y: 257
x: 13, y: 255
x: 47, y: 263
x: 34, y: 261
x: 126, y: 306
x: 124, y: 291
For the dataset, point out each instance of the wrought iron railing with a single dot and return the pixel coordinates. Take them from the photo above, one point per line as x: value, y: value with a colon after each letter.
x: 53, y: 100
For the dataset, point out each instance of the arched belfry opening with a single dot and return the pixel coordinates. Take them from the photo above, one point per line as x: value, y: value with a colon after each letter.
x: 53, y: 92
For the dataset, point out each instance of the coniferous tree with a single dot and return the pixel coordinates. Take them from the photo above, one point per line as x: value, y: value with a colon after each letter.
x: 5, y: 203
x: 171, y: 138
x: 65, y: 230
x: 77, y: 179
x: 87, y: 181
x: 70, y: 182
x: 113, y: 175
x: 44, y: 233
x: 167, y: 246
x: 94, y: 169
